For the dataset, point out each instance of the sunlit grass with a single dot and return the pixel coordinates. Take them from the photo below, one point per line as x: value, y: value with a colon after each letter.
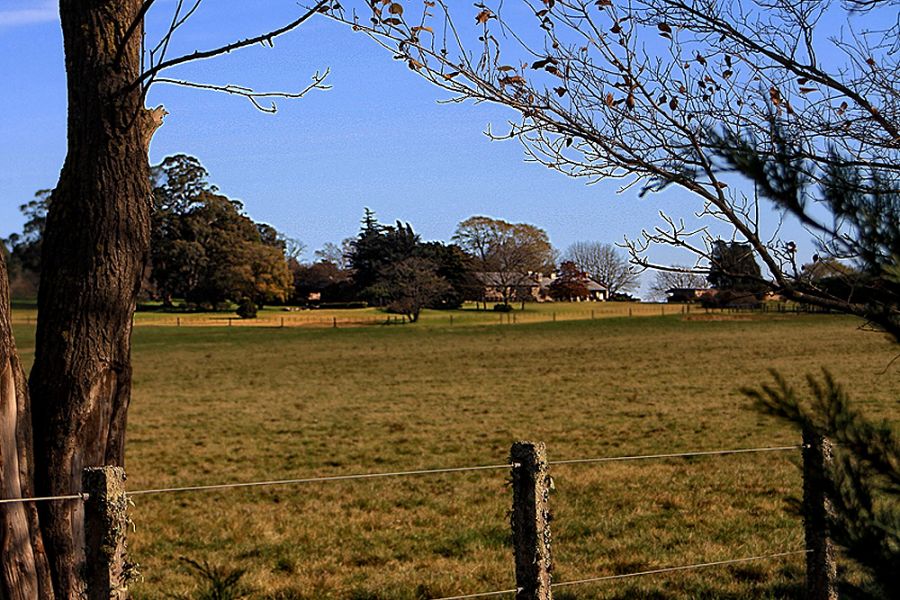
x: 217, y: 405
x: 25, y: 313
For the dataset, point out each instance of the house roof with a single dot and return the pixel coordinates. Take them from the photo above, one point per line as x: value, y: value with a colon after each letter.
x: 500, y: 279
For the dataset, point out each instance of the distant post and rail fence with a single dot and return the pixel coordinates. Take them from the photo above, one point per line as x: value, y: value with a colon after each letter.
x: 310, y: 318
x: 106, y: 520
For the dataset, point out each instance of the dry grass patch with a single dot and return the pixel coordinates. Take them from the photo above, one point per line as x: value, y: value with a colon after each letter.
x: 214, y: 405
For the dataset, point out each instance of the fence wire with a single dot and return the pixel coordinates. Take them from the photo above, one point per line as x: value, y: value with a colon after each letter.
x: 224, y: 486
x: 480, y: 595
x: 679, y: 568
x: 360, y: 476
x: 43, y: 499
x: 635, y: 574
x: 576, y: 461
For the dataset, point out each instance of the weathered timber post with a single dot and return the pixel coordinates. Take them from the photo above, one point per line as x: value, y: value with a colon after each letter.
x: 451, y: 320
x: 530, y: 520
x: 178, y: 321
x: 334, y: 322
x: 105, y: 526
x: 821, y: 566
x: 629, y: 311
x: 554, y: 317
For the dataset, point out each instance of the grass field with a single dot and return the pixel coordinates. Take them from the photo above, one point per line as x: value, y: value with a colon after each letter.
x: 25, y: 312
x: 225, y: 404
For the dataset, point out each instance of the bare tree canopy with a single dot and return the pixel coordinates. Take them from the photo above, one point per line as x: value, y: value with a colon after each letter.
x: 605, y: 264
x: 336, y: 255
x: 655, y: 92
x: 676, y: 277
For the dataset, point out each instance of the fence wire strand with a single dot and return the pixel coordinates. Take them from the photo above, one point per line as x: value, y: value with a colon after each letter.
x: 480, y: 595
x: 680, y: 568
x: 576, y: 461
x: 224, y: 486
x: 43, y: 499
x: 636, y: 574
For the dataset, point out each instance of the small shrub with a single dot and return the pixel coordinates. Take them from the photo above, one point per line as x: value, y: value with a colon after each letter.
x: 503, y: 308
x: 247, y: 309
x: 216, y: 582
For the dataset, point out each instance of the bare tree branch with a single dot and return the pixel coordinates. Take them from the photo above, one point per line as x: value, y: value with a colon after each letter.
x: 265, y: 38
x: 251, y: 95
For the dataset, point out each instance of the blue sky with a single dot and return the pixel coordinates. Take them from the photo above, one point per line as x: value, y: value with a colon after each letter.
x: 378, y: 138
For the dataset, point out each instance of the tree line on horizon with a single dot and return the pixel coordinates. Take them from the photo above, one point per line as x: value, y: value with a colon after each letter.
x: 206, y: 253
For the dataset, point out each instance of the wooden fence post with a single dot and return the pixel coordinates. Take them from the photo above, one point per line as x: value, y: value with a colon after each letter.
x: 821, y: 566
x: 530, y: 520
x: 334, y: 322
x: 105, y: 526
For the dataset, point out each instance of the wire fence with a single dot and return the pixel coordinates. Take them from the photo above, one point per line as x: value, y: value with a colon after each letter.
x: 408, y: 473
x: 366, y: 317
x: 659, y: 571
x: 516, y: 467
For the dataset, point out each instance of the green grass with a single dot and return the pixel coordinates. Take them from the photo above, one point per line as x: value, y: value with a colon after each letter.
x: 25, y: 312
x: 218, y: 405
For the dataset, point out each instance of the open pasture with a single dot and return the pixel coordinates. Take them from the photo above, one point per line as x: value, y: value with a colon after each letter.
x: 25, y: 313
x: 215, y: 405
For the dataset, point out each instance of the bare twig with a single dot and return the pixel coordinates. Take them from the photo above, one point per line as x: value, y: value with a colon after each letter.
x: 318, y: 80
x: 205, y: 54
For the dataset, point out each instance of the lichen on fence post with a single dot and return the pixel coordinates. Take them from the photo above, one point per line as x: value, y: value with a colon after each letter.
x: 818, y: 511
x: 106, y: 569
x: 530, y: 520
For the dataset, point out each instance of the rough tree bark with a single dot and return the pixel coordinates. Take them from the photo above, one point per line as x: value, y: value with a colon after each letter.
x: 24, y: 573
x: 90, y: 273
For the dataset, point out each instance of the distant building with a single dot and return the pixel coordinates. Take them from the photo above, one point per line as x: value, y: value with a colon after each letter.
x: 533, y: 287
x: 687, y: 295
x: 517, y: 286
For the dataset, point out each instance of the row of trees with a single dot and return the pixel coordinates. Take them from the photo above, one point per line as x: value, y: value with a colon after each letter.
x: 204, y: 249
x: 390, y: 266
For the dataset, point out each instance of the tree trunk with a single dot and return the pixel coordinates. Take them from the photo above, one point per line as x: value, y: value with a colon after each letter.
x: 24, y: 572
x: 95, y: 247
